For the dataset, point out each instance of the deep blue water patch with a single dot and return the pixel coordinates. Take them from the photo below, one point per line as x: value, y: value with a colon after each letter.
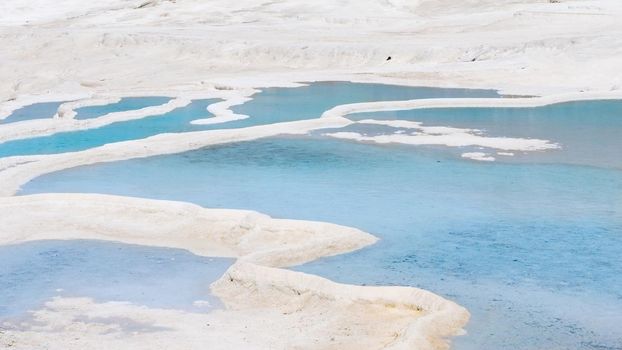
x: 34, y: 111
x: 125, y: 104
x: 34, y: 272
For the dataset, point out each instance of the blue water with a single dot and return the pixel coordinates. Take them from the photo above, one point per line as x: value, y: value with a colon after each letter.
x: 281, y: 104
x: 33, y: 273
x: 177, y: 120
x: 529, y: 244
x: 533, y: 250
x: 267, y: 107
x: 34, y: 111
x: 125, y: 104
x: 589, y: 132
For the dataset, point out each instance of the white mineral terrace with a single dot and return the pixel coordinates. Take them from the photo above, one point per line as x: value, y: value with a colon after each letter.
x: 94, y: 53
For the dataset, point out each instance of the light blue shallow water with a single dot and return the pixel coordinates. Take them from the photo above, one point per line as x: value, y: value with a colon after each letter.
x: 125, y: 104
x: 531, y: 249
x: 270, y: 106
x: 33, y: 111
x: 33, y: 273
x: 589, y: 132
x: 282, y: 104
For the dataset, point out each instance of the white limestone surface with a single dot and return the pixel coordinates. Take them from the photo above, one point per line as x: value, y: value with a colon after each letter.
x: 529, y: 46
x: 75, y: 49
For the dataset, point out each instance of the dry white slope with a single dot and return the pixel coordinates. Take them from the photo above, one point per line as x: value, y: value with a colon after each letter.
x: 521, y: 46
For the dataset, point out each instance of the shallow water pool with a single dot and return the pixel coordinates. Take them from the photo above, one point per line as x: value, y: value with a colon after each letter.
x: 589, y: 132
x: 310, y: 101
x: 33, y: 273
x: 34, y: 111
x: 125, y: 104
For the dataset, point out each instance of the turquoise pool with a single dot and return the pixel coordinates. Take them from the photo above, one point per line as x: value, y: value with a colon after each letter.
x: 177, y: 120
x: 529, y: 244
